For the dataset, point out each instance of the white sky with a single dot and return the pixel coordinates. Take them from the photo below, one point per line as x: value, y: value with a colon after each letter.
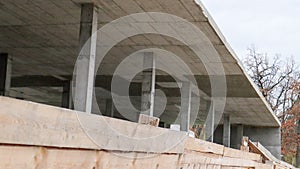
x: 273, y: 26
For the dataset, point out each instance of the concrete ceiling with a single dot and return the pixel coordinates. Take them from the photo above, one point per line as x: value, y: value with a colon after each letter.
x: 42, y: 37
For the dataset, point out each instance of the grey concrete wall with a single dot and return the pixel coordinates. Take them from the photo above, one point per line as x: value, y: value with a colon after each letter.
x: 218, y: 135
x: 267, y: 136
x: 235, y: 141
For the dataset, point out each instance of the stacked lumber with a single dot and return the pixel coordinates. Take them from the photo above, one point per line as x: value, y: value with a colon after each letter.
x: 206, y: 153
x: 212, y: 156
x: 39, y: 136
x: 267, y: 156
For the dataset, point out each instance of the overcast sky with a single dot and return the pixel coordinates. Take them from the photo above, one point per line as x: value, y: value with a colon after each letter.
x: 273, y: 26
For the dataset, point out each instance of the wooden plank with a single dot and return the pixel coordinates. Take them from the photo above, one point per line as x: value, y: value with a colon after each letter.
x: 266, y: 152
x: 28, y: 123
x: 233, y: 153
x: 226, y: 167
x: 254, y: 148
x: 27, y: 157
x: 213, y: 159
x: 16, y: 156
x: 267, y: 156
x: 245, y: 144
x: 203, y: 146
x: 148, y: 120
x: 34, y: 124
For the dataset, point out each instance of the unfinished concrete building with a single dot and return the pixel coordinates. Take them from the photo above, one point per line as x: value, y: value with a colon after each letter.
x: 41, y: 41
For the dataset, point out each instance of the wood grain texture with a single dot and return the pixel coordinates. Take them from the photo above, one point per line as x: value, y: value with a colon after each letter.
x: 40, y: 136
x: 28, y: 123
x: 16, y: 156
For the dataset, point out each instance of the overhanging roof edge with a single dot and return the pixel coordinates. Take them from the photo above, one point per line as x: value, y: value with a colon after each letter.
x: 234, y: 55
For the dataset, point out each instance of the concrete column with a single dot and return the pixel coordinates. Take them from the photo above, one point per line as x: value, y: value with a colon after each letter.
x: 226, y: 130
x: 109, y: 108
x: 148, y: 84
x: 239, y: 137
x: 85, y: 68
x: 67, y: 95
x: 210, y: 121
x: 185, y: 110
x: 5, y: 73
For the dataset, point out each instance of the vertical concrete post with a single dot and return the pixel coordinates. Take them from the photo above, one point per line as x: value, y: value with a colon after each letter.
x: 226, y: 130
x: 148, y: 84
x: 5, y: 74
x: 112, y: 113
x: 240, y: 134
x: 109, y: 108
x: 210, y: 121
x: 67, y: 94
x: 85, y: 68
x: 185, y: 110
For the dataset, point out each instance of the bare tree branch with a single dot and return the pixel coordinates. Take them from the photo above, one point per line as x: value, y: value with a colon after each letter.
x: 275, y: 78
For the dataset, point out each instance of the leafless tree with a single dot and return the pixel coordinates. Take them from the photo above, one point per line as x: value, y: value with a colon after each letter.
x: 275, y: 78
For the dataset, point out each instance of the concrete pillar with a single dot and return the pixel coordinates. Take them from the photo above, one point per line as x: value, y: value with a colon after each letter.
x: 5, y: 74
x: 67, y: 95
x: 148, y: 84
x: 85, y: 66
x: 239, y: 137
x: 109, y: 111
x: 210, y: 122
x: 185, y: 110
x: 226, y: 130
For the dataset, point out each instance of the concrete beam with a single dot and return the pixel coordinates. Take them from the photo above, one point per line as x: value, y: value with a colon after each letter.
x: 235, y: 87
x: 148, y: 84
x: 210, y: 121
x: 85, y: 66
x: 185, y: 110
x: 36, y: 81
x: 226, y: 130
x: 5, y: 73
